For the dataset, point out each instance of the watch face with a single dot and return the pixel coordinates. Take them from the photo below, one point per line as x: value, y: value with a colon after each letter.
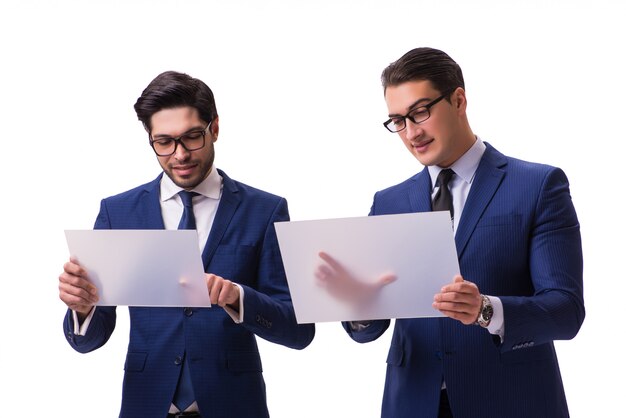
x: 487, y: 313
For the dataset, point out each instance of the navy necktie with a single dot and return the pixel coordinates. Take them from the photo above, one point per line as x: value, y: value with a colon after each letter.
x: 443, y: 197
x: 183, y: 397
x: 188, y: 220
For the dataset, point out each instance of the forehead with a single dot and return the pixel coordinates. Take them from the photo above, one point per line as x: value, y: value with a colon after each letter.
x: 401, y: 97
x: 175, y: 120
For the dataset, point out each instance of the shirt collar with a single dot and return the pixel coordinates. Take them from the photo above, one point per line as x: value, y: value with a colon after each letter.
x: 466, y: 166
x: 210, y: 187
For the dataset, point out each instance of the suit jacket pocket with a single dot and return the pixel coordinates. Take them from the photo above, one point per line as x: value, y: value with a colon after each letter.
x: 500, y: 220
x: 244, y: 362
x: 234, y: 262
x: 135, y: 362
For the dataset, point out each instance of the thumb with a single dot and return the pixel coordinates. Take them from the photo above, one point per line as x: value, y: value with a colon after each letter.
x: 386, y: 279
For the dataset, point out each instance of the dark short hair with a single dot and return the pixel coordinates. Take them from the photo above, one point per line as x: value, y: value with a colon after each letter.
x: 424, y: 64
x: 172, y: 89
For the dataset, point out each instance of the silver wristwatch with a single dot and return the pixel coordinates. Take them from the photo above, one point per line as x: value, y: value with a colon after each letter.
x: 485, y: 314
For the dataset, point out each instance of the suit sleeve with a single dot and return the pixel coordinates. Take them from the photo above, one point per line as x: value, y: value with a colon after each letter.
x: 556, y: 310
x: 104, y: 317
x: 372, y: 329
x: 268, y: 309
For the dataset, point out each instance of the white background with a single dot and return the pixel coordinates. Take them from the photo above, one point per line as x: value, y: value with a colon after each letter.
x: 300, y: 103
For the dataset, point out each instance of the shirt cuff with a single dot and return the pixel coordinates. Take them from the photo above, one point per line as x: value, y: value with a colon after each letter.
x: 237, y: 317
x: 359, y: 325
x: 81, y: 329
x: 496, y: 326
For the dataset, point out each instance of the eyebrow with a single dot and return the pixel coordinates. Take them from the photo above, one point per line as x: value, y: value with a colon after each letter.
x: 413, y: 106
x: 188, y: 131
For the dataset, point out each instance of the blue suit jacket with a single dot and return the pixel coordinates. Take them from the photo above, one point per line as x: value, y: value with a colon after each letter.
x: 518, y: 239
x: 223, y: 357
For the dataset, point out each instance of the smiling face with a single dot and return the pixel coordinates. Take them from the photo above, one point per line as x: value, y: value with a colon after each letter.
x: 441, y: 139
x: 187, y: 169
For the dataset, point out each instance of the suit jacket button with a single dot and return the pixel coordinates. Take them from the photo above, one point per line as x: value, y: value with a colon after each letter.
x: 188, y: 311
x: 178, y: 361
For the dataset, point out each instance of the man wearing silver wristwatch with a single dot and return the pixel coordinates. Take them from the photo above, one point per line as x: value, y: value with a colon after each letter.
x: 519, y: 248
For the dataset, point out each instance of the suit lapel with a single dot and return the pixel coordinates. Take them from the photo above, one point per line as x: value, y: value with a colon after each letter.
x: 153, y: 217
x: 488, y: 177
x: 229, y: 201
x: 419, y: 196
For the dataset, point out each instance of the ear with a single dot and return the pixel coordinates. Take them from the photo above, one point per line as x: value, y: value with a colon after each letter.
x: 459, y: 100
x: 215, y: 128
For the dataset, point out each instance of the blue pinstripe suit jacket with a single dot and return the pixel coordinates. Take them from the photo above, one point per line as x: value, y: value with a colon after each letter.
x: 518, y: 239
x: 223, y: 357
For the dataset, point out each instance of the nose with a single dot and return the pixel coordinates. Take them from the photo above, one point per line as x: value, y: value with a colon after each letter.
x: 181, y: 154
x: 413, y: 130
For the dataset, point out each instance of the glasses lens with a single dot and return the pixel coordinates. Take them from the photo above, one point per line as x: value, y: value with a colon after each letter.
x: 164, y: 146
x: 193, y: 140
x: 419, y: 115
x: 395, y: 125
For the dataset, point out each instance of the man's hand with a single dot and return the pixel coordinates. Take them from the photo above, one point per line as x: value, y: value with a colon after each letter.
x: 222, y: 292
x: 342, y: 285
x: 75, y: 289
x: 459, y: 300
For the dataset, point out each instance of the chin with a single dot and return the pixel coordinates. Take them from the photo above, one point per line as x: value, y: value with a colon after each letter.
x: 185, y: 183
x: 423, y: 160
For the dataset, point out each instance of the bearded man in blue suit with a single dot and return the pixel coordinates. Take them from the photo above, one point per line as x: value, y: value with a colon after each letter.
x: 209, y: 353
x: 519, y: 249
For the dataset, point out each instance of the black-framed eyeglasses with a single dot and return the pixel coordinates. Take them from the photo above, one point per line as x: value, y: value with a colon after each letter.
x: 191, y: 141
x: 416, y: 115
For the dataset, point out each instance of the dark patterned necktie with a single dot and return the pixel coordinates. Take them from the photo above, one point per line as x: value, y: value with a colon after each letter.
x: 443, y: 197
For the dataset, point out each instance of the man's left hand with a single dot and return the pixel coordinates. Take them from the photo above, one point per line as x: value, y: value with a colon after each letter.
x: 222, y: 292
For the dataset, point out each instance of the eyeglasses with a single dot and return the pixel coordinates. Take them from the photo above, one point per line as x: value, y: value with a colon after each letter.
x: 417, y: 115
x: 191, y: 141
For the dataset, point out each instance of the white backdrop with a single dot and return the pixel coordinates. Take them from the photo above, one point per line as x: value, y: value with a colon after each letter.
x: 298, y: 92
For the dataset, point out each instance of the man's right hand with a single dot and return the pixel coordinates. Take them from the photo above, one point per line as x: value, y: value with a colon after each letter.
x: 75, y: 289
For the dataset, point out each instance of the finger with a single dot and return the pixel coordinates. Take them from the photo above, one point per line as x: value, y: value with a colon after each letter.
x: 73, y: 294
x: 210, y: 279
x: 332, y: 262
x: 75, y: 302
x: 459, y: 307
x: 72, y: 267
x: 386, y: 279
x: 464, y: 318
x: 458, y: 297
x: 461, y: 286
x: 76, y: 285
x: 214, y: 289
x: 229, y: 294
x: 323, y: 272
x: 322, y: 278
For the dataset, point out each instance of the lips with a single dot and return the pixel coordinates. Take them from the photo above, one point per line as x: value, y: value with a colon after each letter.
x: 422, y: 145
x: 184, y: 170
